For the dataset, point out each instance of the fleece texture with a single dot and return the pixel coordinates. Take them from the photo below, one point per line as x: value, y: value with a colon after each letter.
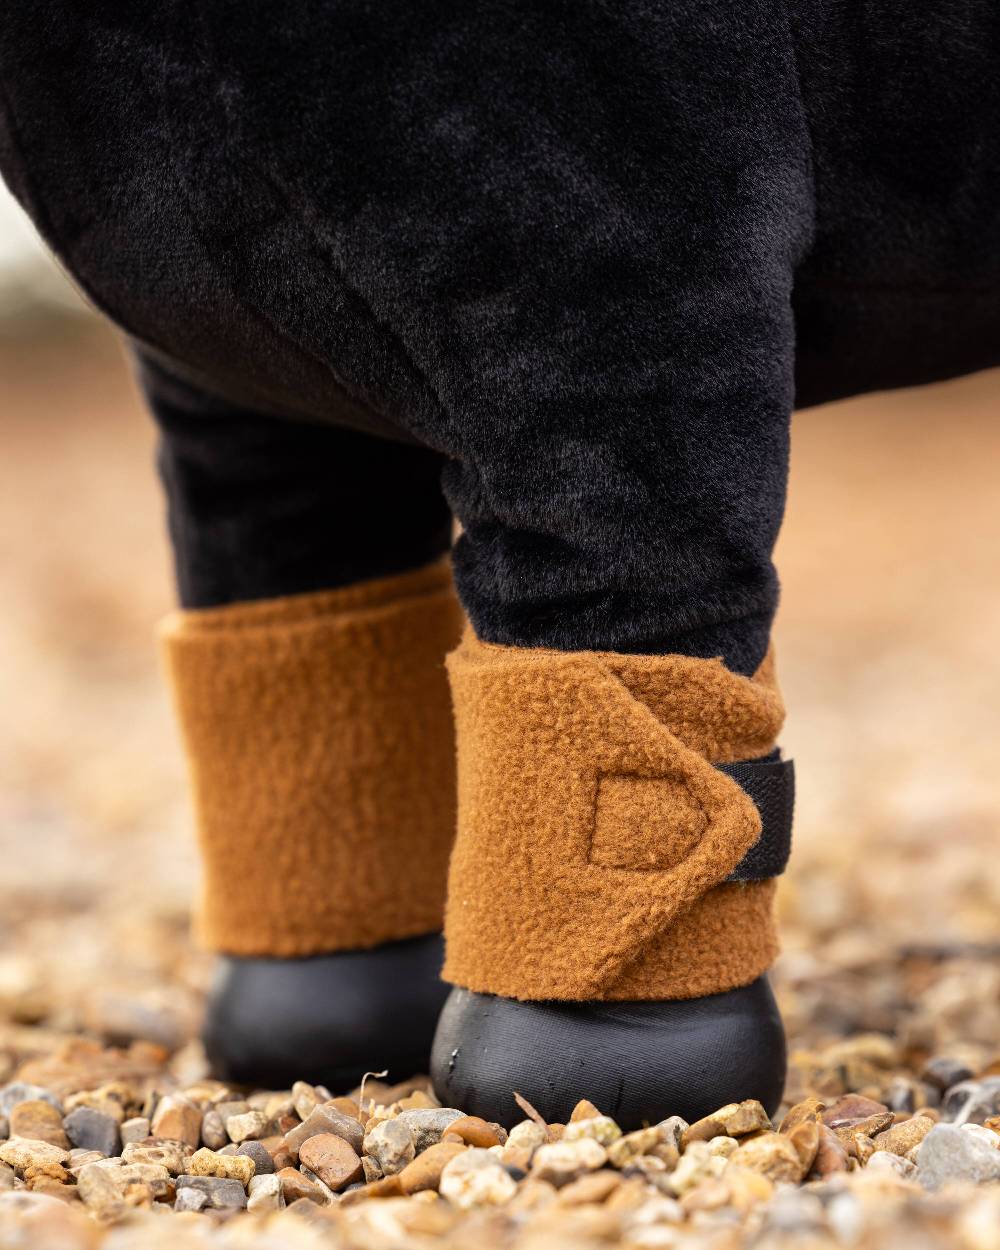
x: 594, y: 833
x: 587, y: 253
x: 319, y: 738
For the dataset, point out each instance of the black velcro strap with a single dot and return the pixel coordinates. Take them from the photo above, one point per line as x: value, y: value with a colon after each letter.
x: 770, y: 782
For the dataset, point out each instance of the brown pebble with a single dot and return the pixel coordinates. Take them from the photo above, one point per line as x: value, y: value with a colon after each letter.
x: 737, y: 1119
x: 387, y: 1187
x: 805, y: 1138
x: 808, y: 1109
x: 584, y: 1110
x: 473, y: 1131
x: 589, y: 1189
x: 831, y: 1153
x: 851, y: 1109
x: 870, y: 1127
x: 770, y: 1154
x: 425, y: 1170
x: 901, y: 1138
x: 346, y: 1106
x: 294, y: 1186
x: 333, y: 1160
x: 40, y: 1121
x: 177, y: 1120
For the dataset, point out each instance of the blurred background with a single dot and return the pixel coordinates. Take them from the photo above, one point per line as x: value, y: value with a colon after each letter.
x: 887, y: 643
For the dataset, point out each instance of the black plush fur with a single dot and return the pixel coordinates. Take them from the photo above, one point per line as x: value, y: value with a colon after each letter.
x: 567, y: 245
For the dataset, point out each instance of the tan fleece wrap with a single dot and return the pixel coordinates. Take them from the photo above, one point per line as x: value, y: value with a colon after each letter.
x: 594, y: 834
x: 319, y: 736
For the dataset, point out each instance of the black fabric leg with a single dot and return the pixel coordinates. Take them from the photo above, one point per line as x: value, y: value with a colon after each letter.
x: 262, y: 506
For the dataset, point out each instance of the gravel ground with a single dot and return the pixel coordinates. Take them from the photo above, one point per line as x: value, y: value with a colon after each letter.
x: 890, y: 980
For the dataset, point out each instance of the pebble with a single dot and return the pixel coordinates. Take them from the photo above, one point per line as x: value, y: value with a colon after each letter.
x: 599, y: 1127
x: 171, y: 1155
x: 332, y: 1159
x: 101, y: 1189
x: 428, y: 1125
x: 265, y: 1193
x: 805, y: 1138
x: 475, y: 1131
x: 248, y: 1126
x: 26, y: 1152
x: 295, y: 1186
x: 561, y: 1162
x: 391, y: 1145
x: 947, y: 1154
x: 93, y: 1130
x: 972, y: 1100
x: 221, y: 1193
x: 135, y: 1129
x: 943, y: 1072
x: 474, y: 1178
x: 22, y: 1091
x: 889, y: 1161
x: 697, y: 1164
x: 39, y: 1120
x: 851, y: 1110
x: 988, y: 1135
x: 261, y: 1156
x: 734, y: 1120
x: 902, y: 1137
x: 190, y: 1199
x: 772, y: 1155
x: 424, y: 1173
x: 527, y: 1135
x: 328, y: 1120
x: 304, y: 1099
x: 205, y: 1162
x: 178, y: 1120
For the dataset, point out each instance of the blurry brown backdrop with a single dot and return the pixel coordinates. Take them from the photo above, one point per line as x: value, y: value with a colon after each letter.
x: 887, y: 640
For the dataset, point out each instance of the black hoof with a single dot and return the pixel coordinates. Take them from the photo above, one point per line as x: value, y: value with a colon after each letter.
x: 327, y: 1019
x: 637, y: 1062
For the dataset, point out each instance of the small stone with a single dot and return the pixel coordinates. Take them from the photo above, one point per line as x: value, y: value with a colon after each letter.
x: 205, y: 1162
x: 428, y: 1125
x: 295, y: 1186
x: 371, y: 1169
x: 802, y: 1112
x: 261, y: 1156
x: 772, y: 1155
x: 177, y: 1120
x: 888, y: 1161
x: 902, y: 1137
x: 391, y: 1146
x: 831, y: 1154
x: 947, y: 1154
x: 213, y: 1130
x: 305, y: 1100
x: 697, y: 1164
x: 658, y: 1141
x: 424, y: 1173
x: 589, y: 1190
x: 972, y: 1100
x: 475, y: 1179
x: 736, y: 1119
x: 475, y: 1131
x: 221, y: 1193
x: 527, y: 1134
x: 26, y: 1152
x: 332, y: 1159
x: 227, y: 1107
x: 584, y: 1110
x: 172, y: 1155
x: 988, y: 1135
x: 943, y: 1072
x: 723, y: 1146
x: 249, y: 1126
x: 40, y: 1121
x: 599, y: 1127
x: 21, y: 1091
x: 135, y: 1129
x: 561, y: 1162
x: 870, y: 1127
x: 805, y: 1138
x: 266, y: 1193
x: 152, y: 1176
x: 190, y: 1199
x: 101, y: 1190
x: 851, y: 1111
x: 93, y: 1130
x: 112, y: 1099
x: 326, y: 1119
